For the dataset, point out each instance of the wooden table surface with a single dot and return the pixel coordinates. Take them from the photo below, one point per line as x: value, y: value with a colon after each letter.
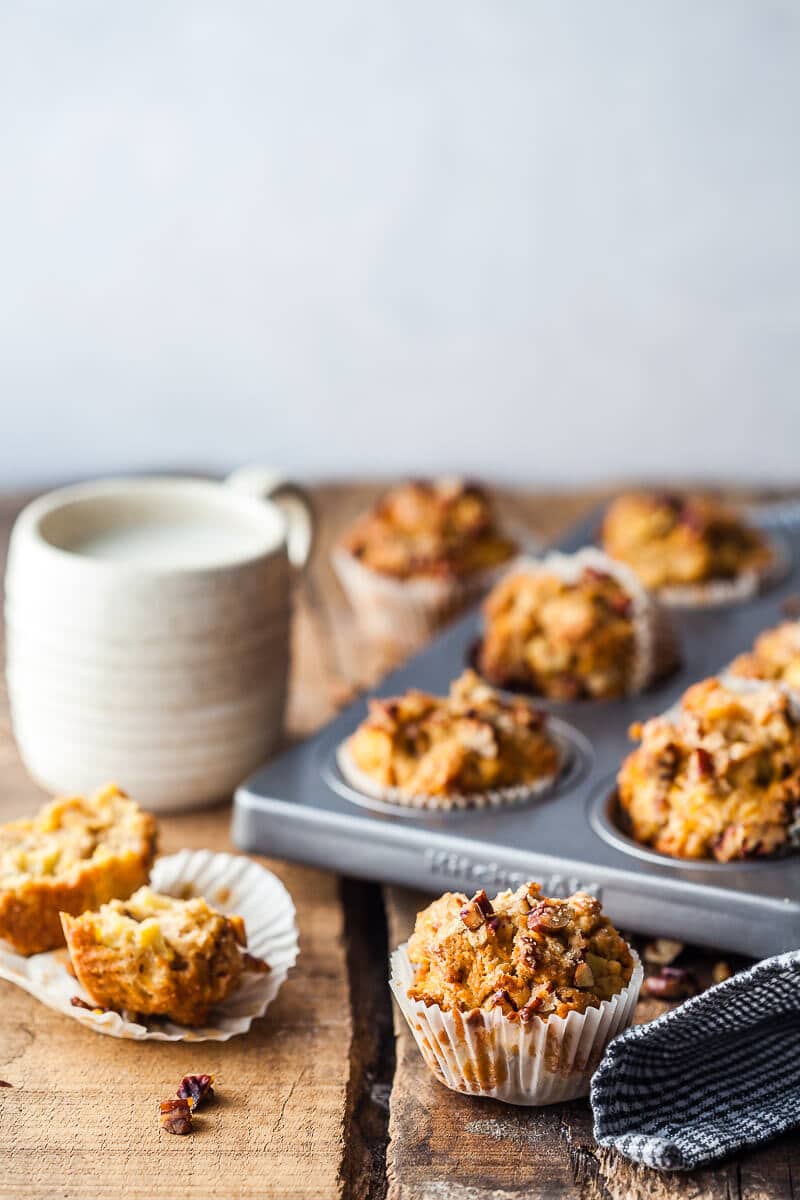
x: 327, y: 1096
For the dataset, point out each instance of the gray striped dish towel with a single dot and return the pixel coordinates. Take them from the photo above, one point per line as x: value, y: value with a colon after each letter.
x: 717, y: 1074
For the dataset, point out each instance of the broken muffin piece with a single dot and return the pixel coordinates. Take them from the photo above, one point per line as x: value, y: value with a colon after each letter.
x: 76, y: 853
x: 156, y: 955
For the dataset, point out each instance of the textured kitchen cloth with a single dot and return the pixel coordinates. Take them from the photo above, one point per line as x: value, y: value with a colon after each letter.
x: 719, y: 1073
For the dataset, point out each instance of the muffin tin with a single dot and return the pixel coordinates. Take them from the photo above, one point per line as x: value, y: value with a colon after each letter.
x: 300, y: 807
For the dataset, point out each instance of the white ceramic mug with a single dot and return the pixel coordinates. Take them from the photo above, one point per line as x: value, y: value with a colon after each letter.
x: 147, y: 627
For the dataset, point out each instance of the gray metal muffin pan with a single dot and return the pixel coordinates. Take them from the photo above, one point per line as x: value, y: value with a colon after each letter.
x: 299, y: 807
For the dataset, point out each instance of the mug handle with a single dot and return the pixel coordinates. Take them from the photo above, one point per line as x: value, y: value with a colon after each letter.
x: 295, y: 502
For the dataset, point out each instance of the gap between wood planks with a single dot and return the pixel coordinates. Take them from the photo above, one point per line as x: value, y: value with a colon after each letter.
x: 372, y: 1049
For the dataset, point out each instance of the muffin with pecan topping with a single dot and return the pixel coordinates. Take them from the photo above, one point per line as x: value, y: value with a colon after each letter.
x: 690, y: 549
x: 719, y: 776
x: 471, y: 748
x: 775, y: 655
x: 505, y: 980
x: 424, y: 550
x: 574, y: 627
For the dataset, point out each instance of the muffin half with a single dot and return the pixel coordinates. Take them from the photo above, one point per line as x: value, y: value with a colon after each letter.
x: 471, y: 748
x: 689, y: 549
x: 515, y: 997
x: 717, y: 777
x: 157, y: 955
x: 573, y: 627
x: 76, y: 853
x: 421, y: 553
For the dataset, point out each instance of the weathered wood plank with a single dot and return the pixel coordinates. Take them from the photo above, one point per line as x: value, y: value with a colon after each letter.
x: 303, y: 1102
x: 443, y: 1144
x: 81, y: 1117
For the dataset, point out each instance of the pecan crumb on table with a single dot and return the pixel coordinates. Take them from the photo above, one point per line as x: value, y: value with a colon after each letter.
x: 176, y: 1116
x: 196, y: 1089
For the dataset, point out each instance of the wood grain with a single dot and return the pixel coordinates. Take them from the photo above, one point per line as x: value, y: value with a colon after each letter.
x: 81, y: 1117
x: 305, y: 1105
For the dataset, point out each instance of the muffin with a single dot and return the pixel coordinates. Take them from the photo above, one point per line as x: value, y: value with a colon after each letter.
x: 157, y: 955
x: 690, y: 549
x: 574, y: 627
x: 471, y: 748
x: 517, y: 997
x: 425, y: 550
x: 76, y: 853
x: 775, y: 656
x: 718, y: 777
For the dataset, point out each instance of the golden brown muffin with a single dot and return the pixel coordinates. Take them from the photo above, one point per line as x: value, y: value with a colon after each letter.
x: 442, y: 528
x: 672, y: 540
x: 567, y: 629
x: 775, y: 656
x: 719, y: 778
x: 468, y: 742
x: 521, y: 952
x: 76, y: 853
x: 156, y: 955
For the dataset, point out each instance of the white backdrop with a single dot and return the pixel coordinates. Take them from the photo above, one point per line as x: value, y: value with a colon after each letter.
x: 534, y: 239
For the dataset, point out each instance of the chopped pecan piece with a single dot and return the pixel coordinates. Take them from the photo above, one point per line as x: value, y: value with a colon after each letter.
x: 584, y: 975
x: 529, y: 1010
x: 176, y: 1116
x: 476, y: 911
x: 79, y: 1002
x: 196, y: 1089
x: 259, y: 965
x: 3, y: 1083
x: 720, y: 972
x: 548, y: 916
x: 703, y: 763
x: 672, y: 983
x: 662, y: 951
x: 501, y: 999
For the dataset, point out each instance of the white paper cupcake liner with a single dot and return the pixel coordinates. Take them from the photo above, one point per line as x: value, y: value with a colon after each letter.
x: 655, y: 644
x: 485, y: 1054
x: 231, y: 884
x: 406, y: 612
x: 717, y: 593
x: 493, y: 798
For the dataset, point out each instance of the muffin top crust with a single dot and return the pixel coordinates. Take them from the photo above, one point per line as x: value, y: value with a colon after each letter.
x: 720, y: 777
x: 566, y: 639
x: 472, y: 740
x: 678, y: 540
x: 73, y: 833
x: 524, y: 953
x: 775, y: 655
x: 444, y: 528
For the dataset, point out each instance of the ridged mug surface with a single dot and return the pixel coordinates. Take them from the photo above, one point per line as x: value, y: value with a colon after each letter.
x: 168, y: 678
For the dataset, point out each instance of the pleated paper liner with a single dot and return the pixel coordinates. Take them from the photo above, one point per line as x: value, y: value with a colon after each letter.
x: 405, y: 613
x: 545, y: 1061
x: 231, y: 884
